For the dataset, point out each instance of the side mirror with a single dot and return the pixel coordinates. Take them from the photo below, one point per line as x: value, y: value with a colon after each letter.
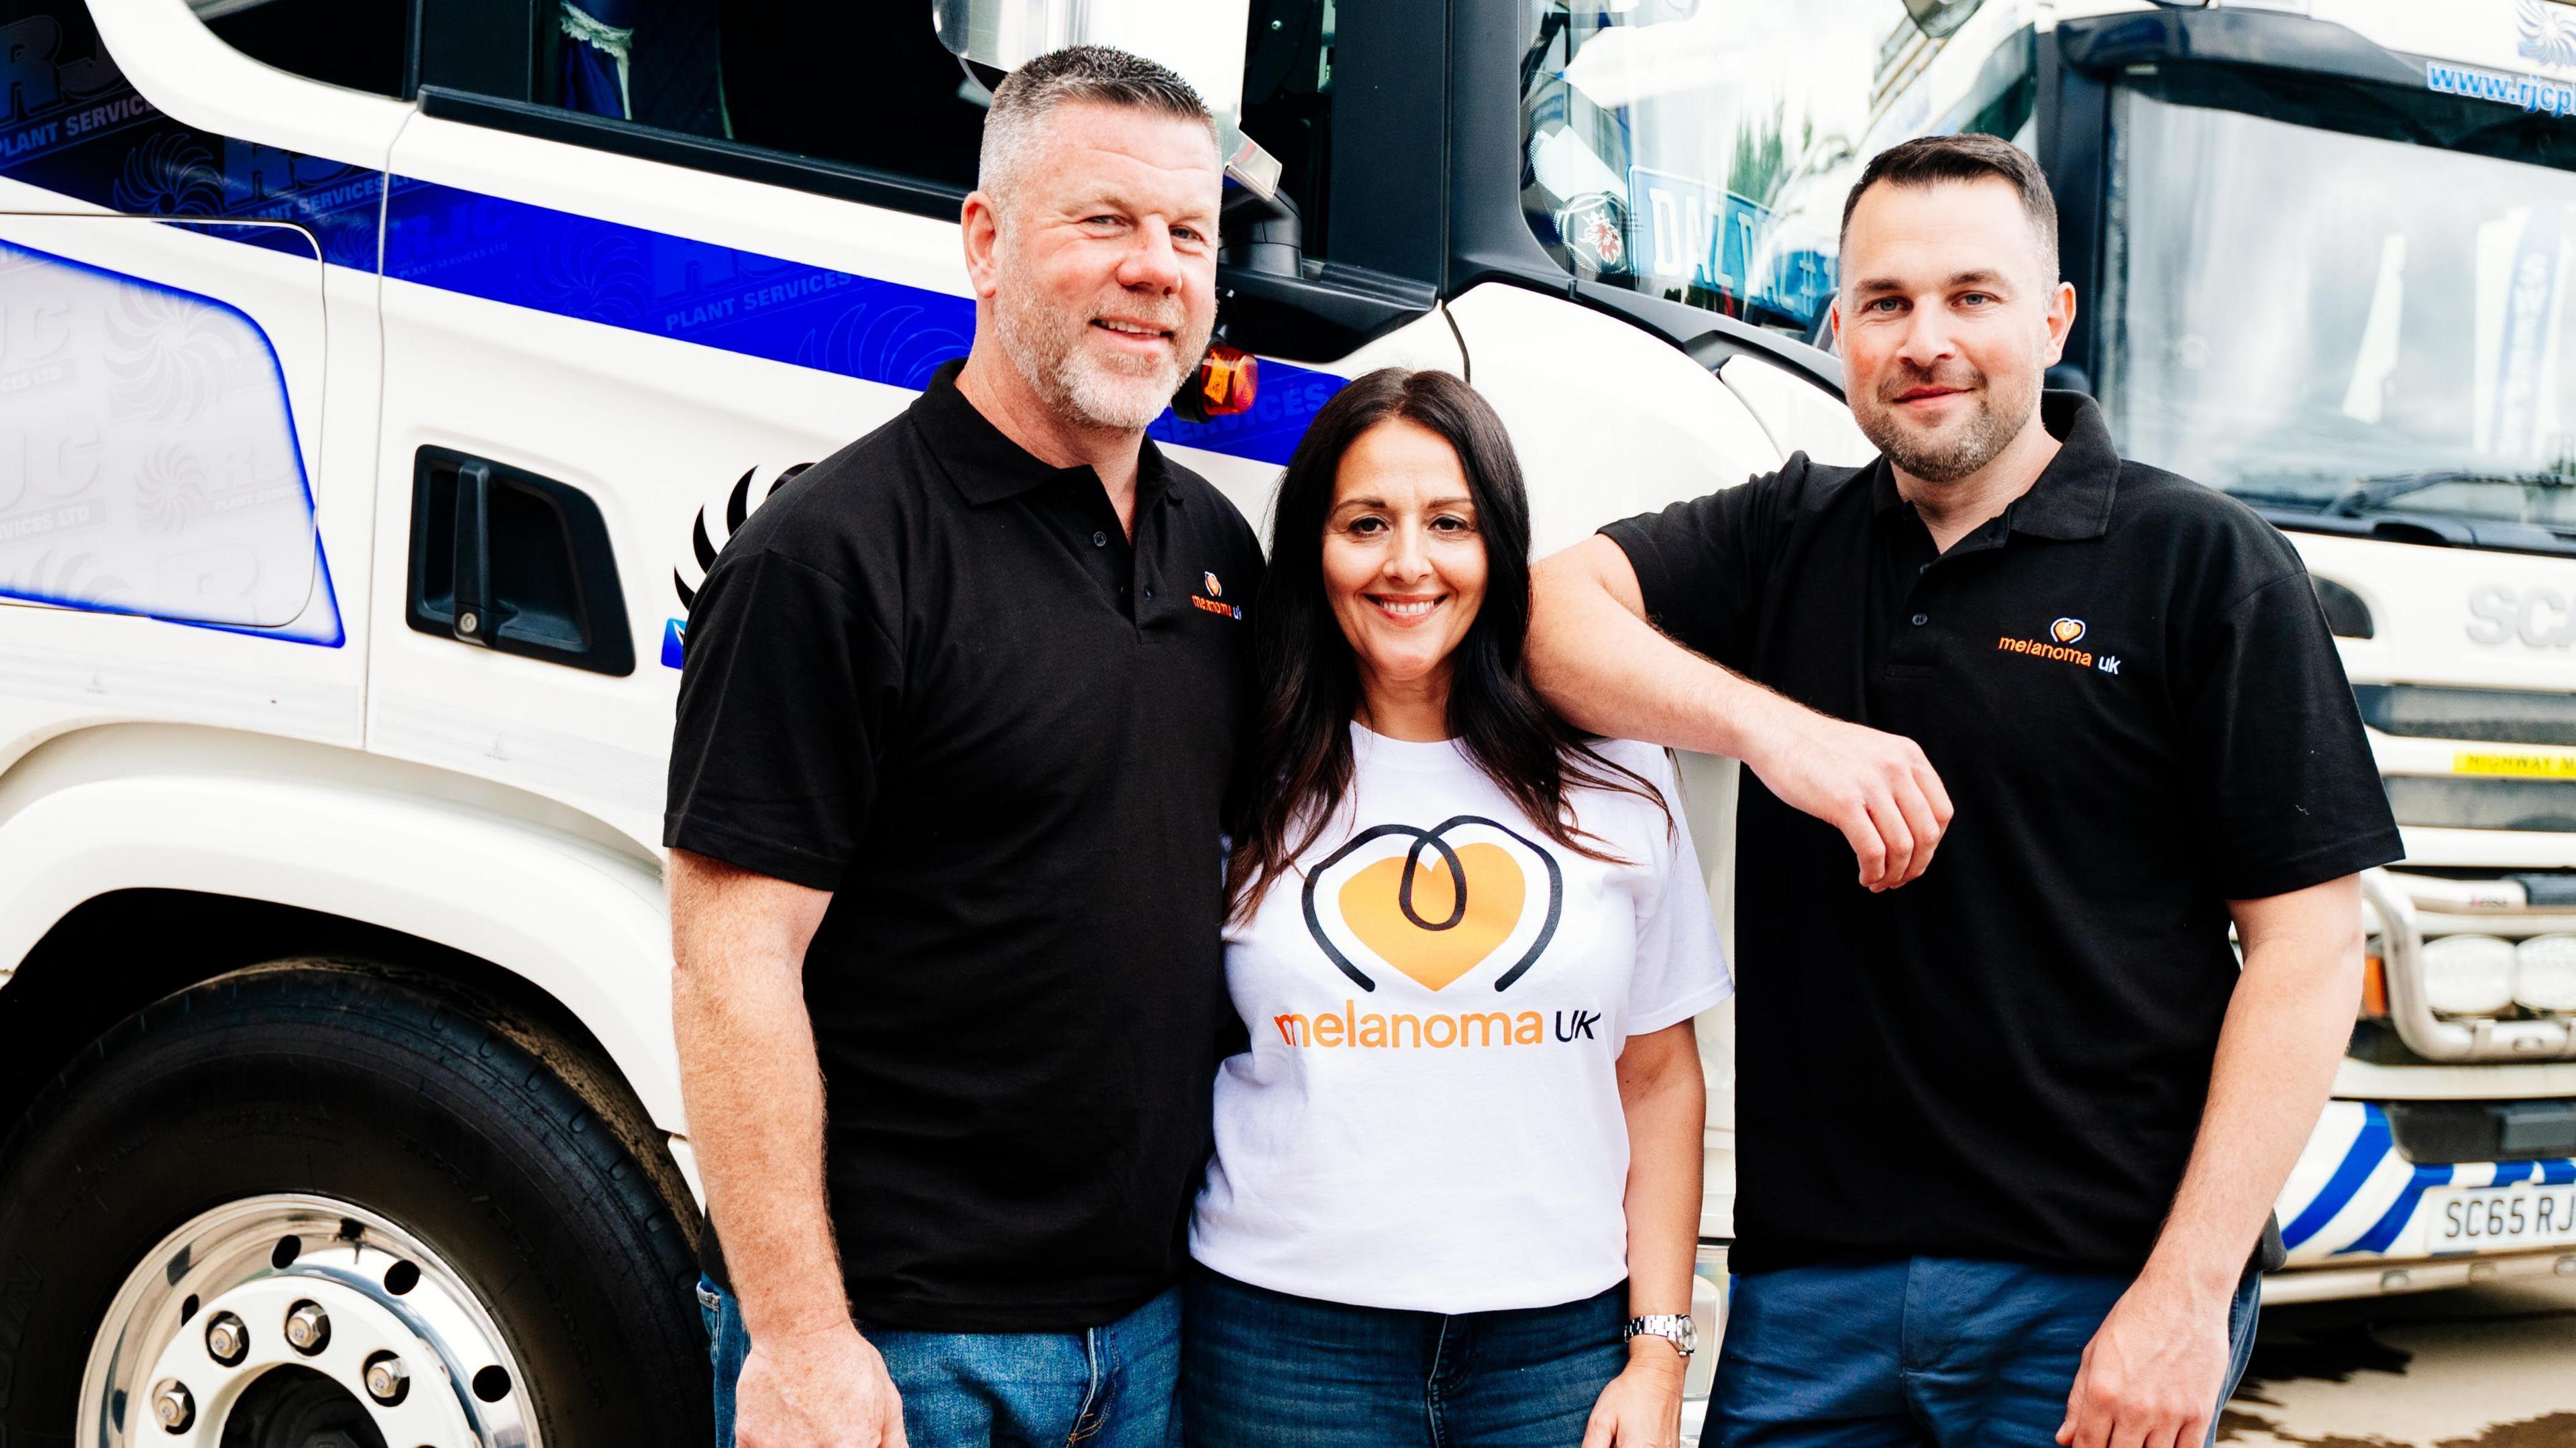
x: 1201, y: 40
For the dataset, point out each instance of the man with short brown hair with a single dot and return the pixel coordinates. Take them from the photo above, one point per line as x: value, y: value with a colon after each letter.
x: 2007, y: 1136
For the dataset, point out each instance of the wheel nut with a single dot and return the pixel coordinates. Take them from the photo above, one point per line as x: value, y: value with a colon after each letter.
x: 308, y: 1328
x: 172, y: 1406
x: 227, y: 1339
x: 387, y: 1379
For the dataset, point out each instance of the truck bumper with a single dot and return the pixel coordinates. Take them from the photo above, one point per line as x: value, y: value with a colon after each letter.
x: 2360, y: 1219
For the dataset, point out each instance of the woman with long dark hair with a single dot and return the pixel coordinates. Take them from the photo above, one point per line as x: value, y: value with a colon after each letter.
x: 1455, y: 1196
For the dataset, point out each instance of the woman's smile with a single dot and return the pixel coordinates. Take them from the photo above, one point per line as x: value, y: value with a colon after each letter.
x: 1404, y: 610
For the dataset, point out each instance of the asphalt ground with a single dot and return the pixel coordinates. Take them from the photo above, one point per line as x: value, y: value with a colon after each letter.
x: 2489, y: 1366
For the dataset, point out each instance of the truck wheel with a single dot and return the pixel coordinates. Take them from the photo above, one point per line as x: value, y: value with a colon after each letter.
x: 314, y: 1204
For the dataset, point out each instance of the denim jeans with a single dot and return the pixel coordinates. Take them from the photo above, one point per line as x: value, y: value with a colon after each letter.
x: 1927, y: 1351
x: 1107, y: 1387
x: 1263, y: 1369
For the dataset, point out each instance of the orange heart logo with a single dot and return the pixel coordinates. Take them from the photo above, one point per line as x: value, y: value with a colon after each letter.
x: 2067, y: 630
x: 1441, y: 937
x: 1438, y: 910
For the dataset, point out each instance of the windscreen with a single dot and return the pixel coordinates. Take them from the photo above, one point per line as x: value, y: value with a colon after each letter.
x: 2338, y: 322
x: 1699, y: 150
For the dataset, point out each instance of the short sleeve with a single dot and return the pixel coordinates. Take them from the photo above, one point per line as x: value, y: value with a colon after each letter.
x: 785, y: 688
x: 1681, y: 968
x: 1700, y: 564
x: 2288, y: 793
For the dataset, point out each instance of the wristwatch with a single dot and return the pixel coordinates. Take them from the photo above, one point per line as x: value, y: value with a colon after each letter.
x: 1673, y: 1327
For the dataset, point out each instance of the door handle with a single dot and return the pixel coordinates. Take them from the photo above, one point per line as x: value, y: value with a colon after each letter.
x: 472, y: 571
x: 507, y: 560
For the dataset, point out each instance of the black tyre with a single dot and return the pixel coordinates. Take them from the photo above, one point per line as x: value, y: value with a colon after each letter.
x: 359, y: 1141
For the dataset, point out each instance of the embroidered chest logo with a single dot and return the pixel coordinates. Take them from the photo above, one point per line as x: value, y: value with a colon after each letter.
x: 1209, y: 603
x: 2061, y: 645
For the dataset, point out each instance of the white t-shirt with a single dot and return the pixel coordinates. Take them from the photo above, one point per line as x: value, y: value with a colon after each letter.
x: 1429, y: 1116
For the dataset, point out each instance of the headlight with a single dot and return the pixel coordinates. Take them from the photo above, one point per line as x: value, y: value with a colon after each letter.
x: 2468, y: 975
x: 2545, y: 973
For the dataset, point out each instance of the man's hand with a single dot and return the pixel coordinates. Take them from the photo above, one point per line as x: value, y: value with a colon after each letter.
x: 1877, y: 788
x: 822, y: 1389
x: 2150, y: 1377
x: 1604, y: 667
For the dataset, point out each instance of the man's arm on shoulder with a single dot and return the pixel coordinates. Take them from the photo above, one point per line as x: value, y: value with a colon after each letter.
x: 753, y: 1088
x: 1608, y: 670
x: 2153, y: 1371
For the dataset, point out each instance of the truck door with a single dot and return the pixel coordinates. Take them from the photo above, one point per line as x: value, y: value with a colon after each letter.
x: 187, y: 376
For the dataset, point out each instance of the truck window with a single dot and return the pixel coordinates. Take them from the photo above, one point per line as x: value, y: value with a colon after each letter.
x: 352, y: 43
x: 864, y: 82
x: 2391, y: 331
x: 858, y: 82
x: 1699, y: 150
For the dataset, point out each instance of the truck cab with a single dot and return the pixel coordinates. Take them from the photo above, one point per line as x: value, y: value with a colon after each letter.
x: 377, y: 382
x: 378, y: 379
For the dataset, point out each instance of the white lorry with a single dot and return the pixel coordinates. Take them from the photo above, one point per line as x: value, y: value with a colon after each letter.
x: 377, y: 378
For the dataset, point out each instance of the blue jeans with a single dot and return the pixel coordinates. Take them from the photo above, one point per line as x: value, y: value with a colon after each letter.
x: 1264, y: 1369
x: 1106, y: 1387
x: 1929, y: 1351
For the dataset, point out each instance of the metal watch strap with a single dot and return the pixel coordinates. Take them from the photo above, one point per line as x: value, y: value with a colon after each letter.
x: 1673, y: 1327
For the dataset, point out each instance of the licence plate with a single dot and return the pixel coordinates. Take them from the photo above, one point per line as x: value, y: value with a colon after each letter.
x: 2517, y: 1215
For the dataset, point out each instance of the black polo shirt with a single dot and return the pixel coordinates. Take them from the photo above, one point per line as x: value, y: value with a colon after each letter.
x: 2128, y: 688
x: 932, y: 676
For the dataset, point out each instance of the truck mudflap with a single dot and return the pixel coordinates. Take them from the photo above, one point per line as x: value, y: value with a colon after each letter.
x: 2354, y: 1199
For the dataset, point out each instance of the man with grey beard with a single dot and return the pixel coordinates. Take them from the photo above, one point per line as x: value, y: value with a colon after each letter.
x: 2007, y: 1136
x: 956, y: 723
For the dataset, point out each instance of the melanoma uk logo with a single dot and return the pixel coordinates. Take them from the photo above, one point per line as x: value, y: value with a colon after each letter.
x: 1435, y: 905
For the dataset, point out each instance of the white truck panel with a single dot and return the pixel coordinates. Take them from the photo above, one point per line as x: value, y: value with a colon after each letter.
x: 534, y: 890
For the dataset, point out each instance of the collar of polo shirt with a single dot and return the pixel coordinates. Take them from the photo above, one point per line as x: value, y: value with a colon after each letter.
x: 988, y: 467
x: 2072, y: 499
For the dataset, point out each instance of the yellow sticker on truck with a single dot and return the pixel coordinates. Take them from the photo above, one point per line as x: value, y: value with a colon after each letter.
x: 2514, y: 765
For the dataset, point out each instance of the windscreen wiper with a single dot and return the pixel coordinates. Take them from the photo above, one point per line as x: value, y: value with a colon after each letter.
x: 2372, y: 494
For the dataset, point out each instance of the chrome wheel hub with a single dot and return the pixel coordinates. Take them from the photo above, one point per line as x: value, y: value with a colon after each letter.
x: 314, y: 1295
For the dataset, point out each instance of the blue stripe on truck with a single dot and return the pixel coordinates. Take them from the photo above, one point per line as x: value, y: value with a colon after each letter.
x: 110, y: 147
x: 664, y: 285
x: 2368, y: 1146
x: 2393, y: 1221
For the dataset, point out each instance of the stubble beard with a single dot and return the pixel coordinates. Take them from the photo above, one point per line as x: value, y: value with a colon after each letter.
x: 1959, y: 450
x: 1122, y: 394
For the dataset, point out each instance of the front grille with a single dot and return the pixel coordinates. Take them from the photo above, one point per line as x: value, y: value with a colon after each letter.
x: 2487, y: 716
x: 2483, y: 804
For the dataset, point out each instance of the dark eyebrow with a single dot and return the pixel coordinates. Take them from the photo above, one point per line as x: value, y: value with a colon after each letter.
x: 1985, y: 277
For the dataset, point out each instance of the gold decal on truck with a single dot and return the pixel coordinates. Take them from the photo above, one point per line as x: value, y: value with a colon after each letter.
x: 2514, y: 766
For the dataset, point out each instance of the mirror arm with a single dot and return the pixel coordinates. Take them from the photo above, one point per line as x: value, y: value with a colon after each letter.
x: 1261, y: 233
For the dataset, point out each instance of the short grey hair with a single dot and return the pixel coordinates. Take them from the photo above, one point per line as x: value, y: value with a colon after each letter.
x: 1097, y: 74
